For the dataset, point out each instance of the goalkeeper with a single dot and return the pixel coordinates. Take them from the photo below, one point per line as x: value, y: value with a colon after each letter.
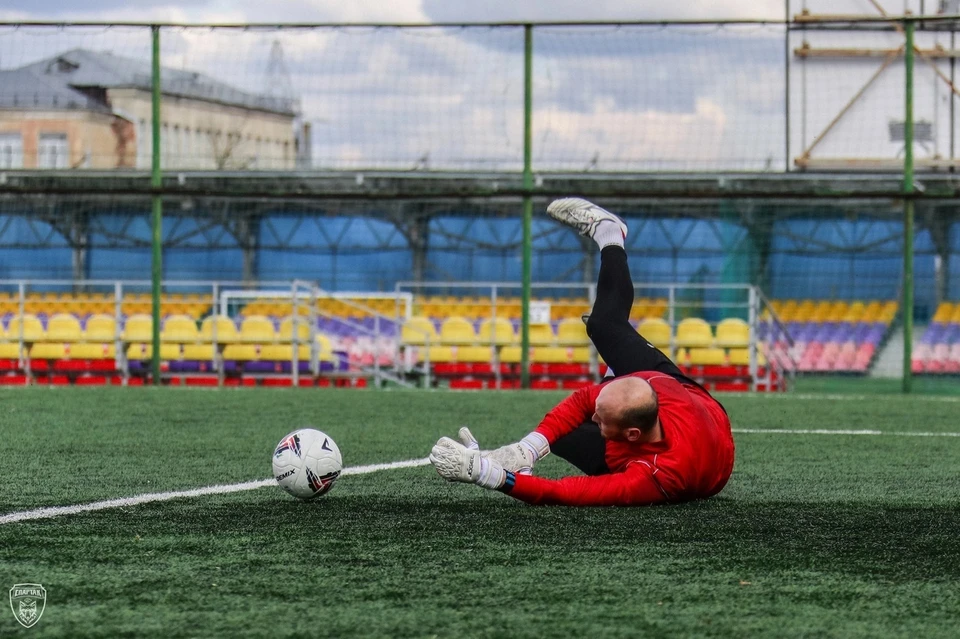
x: 649, y: 435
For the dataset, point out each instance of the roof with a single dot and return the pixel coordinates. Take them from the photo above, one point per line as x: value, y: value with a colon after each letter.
x: 64, y: 82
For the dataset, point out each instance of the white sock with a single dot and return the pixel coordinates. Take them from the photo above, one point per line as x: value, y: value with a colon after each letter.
x: 608, y: 232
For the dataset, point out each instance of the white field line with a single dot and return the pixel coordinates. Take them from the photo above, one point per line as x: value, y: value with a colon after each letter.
x: 829, y: 431
x: 58, y: 511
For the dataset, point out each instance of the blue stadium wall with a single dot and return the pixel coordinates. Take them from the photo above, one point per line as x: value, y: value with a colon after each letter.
x: 353, y: 253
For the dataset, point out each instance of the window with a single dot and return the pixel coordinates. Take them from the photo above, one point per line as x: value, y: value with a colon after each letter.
x: 11, y: 151
x: 52, y: 152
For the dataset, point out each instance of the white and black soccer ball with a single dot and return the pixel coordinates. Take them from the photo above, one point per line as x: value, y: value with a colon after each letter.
x: 306, y: 463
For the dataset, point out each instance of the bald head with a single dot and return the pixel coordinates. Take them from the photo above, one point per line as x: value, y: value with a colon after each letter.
x: 628, y: 402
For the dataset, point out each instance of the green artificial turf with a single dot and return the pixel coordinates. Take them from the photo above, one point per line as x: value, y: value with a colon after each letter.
x: 816, y: 535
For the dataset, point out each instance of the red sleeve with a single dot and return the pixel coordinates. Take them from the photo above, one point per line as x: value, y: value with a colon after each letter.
x: 635, y: 486
x: 564, y: 418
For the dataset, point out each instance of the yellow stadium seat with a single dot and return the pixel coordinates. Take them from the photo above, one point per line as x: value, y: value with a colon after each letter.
x: 138, y: 328
x: 240, y: 352
x: 226, y: 329
x: 788, y: 311
x: 510, y: 355
x: 656, y: 331
x: 32, y: 328
x: 821, y: 311
x: 694, y: 332
x: 457, y: 330
x: 198, y: 352
x: 733, y: 333
x: 572, y: 332
x: 542, y: 335
x: 805, y: 311
x: 257, y: 329
x: 63, y: 328
x: 498, y: 331
x: 179, y: 329
x: 9, y: 350
x: 838, y: 310
x: 872, y: 312
x: 141, y: 351
x: 707, y: 356
x: 854, y: 312
x: 741, y: 357
x: 286, y: 329
x: 439, y: 354
x: 888, y: 312
x: 284, y: 352
x: 91, y: 350
x: 100, y: 328
x: 955, y: 318
x: 474, y: 354
x: 944, y: 313
x: 682, y: 357
x: 580, y: 355
x: 419, y: 330
x: 657, y: 308
x: 48, y: 350
x: 550, y: 355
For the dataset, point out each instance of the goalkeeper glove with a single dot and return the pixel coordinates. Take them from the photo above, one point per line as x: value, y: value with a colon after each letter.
x: 518, y: 457
x: 455, y: 462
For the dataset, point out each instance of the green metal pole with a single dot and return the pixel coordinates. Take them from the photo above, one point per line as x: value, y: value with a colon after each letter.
x: 527, y: 202
x: 908, y: 214
x: 156, y: 242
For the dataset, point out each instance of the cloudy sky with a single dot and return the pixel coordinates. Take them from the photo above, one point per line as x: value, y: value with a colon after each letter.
x: 605, y: 98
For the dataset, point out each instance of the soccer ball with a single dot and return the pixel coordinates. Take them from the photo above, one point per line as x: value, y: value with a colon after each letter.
x: 306, y: 463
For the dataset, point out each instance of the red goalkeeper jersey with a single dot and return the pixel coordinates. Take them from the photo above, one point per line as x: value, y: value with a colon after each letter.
x: 693, y: 460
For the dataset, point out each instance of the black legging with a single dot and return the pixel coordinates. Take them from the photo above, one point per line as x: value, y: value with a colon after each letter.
x: 619, y: 344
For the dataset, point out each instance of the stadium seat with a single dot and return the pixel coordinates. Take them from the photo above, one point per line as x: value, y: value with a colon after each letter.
x: 100, y: 328
x: 241, y: 352
x: 741, y: 357
x: 144, y: 351
x: 179, y: 329
x: 550, y: 354
x: 457, y: 330
x: 63, y: 328
x: 438, y: 354
x: 9, y: 350
x: 733, y: 333
x: 48, y: 350
x: 419, y: 330
x: 510, y: 355
x: 707, y: 356
x: 257, y: 329
x: 284, y: 353
x: 694, y: 332
x: 138, y: 328
x: 499, y: 330
x: 226, y: 330
x: 542, y: 335
x: 286, y: 329
x: 656, y: 331
x: 199, y: 352
x: 32, y: 328
x: 91, y: 350
x: 572, y: 332
x: 944, y: 313
x: 474, y: 354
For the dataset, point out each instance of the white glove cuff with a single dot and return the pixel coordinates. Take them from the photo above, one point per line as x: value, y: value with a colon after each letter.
x: 537, y: 444
x: 492, y: 475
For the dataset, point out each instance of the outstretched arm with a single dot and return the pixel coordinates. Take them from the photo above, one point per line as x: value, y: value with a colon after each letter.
x: 569, y: 414
x: 636, y: 486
